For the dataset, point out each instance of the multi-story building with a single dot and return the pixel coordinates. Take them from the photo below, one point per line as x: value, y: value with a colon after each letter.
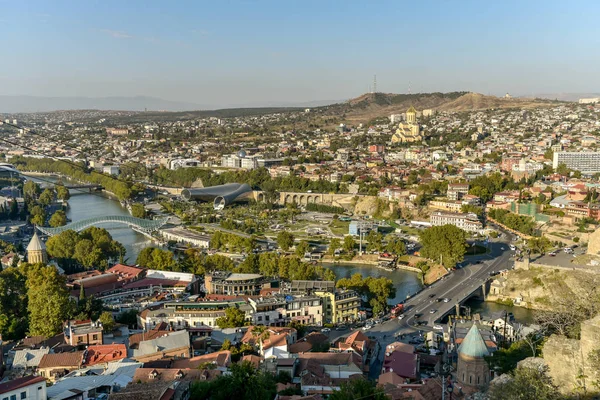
x: 341, y: 306
x: 308, y: 310
x: 220, y: 282
x: 269, y: 311
x: 83, y: 333
x: 456, y: 191
x: 586, y: 162
x: 465, y: 221
x: 187, y: 314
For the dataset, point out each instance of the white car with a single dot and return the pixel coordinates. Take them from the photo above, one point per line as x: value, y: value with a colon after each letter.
x: 325, y: 330
x: 366, y: 327
x: 446, y: 300
x: 438, y: 327
x: 432, y: 311
x: 512, y: 247
x: 401, y: 316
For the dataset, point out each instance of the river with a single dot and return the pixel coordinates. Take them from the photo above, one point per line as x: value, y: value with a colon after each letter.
x: 406, y: 282
x: 89, y: 205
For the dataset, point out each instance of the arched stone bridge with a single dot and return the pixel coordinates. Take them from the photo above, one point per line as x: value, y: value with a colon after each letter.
x: 144, y: 225
x: 304, y: 198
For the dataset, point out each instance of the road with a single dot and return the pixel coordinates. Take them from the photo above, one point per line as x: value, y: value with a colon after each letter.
x: 456, y: 286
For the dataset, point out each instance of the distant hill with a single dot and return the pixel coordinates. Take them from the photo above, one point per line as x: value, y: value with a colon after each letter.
x: 372, y: 105
x: 28, y: 104
x: 566, y: 96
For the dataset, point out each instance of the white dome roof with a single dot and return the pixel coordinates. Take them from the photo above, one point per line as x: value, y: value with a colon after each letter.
x: 36, y: 244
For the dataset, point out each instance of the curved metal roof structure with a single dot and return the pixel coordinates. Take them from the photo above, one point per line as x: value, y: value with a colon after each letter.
x: 221, y: 195
x: 144, y: 225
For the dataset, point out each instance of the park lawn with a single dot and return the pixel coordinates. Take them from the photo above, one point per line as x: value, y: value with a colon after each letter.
x: 339, y: 227
x: 410, y: 230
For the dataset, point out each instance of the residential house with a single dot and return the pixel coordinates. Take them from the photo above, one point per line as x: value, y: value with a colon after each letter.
x: 25, y: 388
x: 55, y: 365
x: 324, y: 373
x: 28, y: 359
x: 175, y: 344
x: 104, y: 354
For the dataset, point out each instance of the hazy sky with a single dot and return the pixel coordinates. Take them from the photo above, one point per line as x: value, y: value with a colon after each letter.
x: 233, y: 52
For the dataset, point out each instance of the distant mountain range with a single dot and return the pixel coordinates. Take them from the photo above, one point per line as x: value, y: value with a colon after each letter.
x: 27, y: 104
x: 30, y: 104
x: 565, y: 96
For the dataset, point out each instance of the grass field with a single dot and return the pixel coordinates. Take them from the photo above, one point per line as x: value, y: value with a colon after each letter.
x: 339, y: 227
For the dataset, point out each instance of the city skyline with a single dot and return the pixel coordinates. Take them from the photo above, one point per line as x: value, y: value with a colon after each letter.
x: 242, y: 54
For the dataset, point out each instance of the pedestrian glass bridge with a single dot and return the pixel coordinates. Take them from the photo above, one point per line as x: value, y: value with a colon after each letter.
x: 144, y: 225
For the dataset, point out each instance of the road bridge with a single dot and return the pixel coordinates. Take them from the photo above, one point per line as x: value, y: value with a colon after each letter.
x: 141, y: 225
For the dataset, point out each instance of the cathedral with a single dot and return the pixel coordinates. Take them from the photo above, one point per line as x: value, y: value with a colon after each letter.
x: 409, y: 131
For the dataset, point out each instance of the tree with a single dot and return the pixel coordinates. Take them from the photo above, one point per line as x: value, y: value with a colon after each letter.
x: 155, y: 258
x: 243, y: 383
x: 128, y: 318
x: 549, y: 154
x: 285, y: 240
x: 539, y: 245
x: 62, y: 193
x: 48, y: 300
x: 37, y: 216
x: 526, y: 383
x: 375, y: 241
x: 302, y: 248
x: 108, y: 322
x: 562, y: 169
x: 138, y: 210
x: 59, y: 218
x: 359, y: 389
x: 446, y: 243
x: 396, y: 246
x: 31, y: 190
x: 46, y: 198
x: 333, y: 246
x: 13, y: 212
x: 233, y: 318
x: 87, y: 254
x: 13, y: 304
x: 349, y: 244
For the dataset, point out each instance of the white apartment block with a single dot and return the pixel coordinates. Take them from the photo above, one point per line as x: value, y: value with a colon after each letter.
x: 587, y: 162
x: 467, y: 222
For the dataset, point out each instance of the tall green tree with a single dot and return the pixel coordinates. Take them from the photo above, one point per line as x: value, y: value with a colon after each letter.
x: 155, y: 258
x: 285, y: 240
x: 446, y: 244
x: 138, y: 210
x: 31, y: 190
x: 233, y: 318
x: 62, y: 193
x: 46, y: 198
x: 37, y: 216
x: 13, y: 212
x: 14, y: 319
x: 333, y: 246
x: 349, y: 244
x: 59, y: 218
x: 396, y: 246
x: 48, y: 300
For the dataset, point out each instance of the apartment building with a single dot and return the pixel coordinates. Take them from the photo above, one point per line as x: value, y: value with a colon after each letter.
x: 586, y: 162
x: 220, y: 282
x: 465, y: 221
x: 457, y: 191
x: 341, y: 306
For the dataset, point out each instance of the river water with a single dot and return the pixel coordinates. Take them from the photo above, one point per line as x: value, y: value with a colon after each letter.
x: 89, y: 205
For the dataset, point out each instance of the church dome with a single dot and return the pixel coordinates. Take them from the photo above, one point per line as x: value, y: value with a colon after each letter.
x: 473, y: 344
x: 242, y: 153
x: 36, y: 244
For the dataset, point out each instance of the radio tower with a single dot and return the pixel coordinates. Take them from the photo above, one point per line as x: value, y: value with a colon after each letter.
x: 374, y: 83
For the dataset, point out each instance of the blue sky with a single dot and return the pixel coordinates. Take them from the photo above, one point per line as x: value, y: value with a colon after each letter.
x: 256, y: 52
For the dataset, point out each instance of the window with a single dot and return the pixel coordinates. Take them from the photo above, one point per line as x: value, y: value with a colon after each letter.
x: 5, y: 398
x: 478, y: 380
x: 95, y: 337
x: 23, y: 395
x: 13, y: 397
x: 266, y: 317
x: 470, y: 378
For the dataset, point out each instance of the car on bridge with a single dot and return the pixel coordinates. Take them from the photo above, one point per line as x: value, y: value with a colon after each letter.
x: 433, y: 311
x: 418, y: 315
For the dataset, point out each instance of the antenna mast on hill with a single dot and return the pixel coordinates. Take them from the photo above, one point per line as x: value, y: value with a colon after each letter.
x: 374, y: 83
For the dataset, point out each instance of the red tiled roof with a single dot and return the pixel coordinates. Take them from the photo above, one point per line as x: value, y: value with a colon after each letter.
x: 19, y: 383
x: 125, y: 271
x: 105, y: 353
